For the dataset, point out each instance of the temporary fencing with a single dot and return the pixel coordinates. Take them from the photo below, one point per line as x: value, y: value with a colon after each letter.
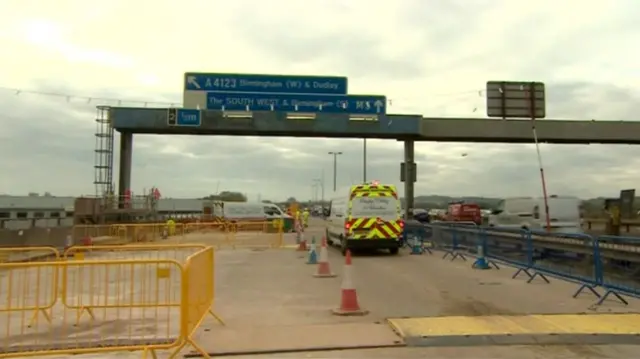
x: 205, y: 227
x: 128, y: 233
x: 107, y: 298
x: 36, y: 294
x: 255, y: 234
x: 611, y: 264
x: 27, y: 254
x: 248, y: 234
x: 147, y: 232
x: 81, y: 231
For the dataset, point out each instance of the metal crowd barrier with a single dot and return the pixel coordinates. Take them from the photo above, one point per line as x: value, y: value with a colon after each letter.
x: 78, y: 232
x: 219, y: 234
x: 251, y: 234
x: 604, y: 266
x: 128, y: 233
x: 147, y: 232
x: 105, y: 299
x: 27, y: 254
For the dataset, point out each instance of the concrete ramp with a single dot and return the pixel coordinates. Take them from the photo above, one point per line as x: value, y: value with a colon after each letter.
x: 524, y: 329
x: 296, y: 338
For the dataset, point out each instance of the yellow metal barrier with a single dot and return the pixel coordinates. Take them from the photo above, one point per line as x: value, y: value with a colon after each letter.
x: 255, y: 234
x: 120, y: 232
x: 27, y: 254
x: 237, y: 234
x: 81, y: 231
x: 133, y: 304
x: 197, y: 296
x: 204, y: 227
x: 177, y: 252
x: 146, y: 232
x: 36, y: 290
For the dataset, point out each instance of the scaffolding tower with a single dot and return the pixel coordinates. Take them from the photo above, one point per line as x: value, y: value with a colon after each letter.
x: 103, y: 163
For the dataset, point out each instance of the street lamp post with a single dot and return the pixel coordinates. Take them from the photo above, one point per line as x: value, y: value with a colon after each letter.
x: 364, y: 161
x: 335, y: 169
x: 319, y: 184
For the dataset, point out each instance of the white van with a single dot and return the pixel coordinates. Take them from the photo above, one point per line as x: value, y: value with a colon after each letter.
x: 529, y: 213
x: 367, y: 217
x: 252, y: 211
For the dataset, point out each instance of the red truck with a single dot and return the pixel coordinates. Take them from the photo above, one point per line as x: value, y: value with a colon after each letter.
x: 464, y: 212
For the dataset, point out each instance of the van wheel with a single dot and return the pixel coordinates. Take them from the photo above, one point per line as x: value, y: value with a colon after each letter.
x: 394, y: 251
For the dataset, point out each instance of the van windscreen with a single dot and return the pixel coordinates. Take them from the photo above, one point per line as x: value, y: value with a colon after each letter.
x: 383, y: 207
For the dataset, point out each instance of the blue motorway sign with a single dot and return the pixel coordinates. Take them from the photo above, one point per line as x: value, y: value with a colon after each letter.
x: 353, y: 104
x: 184, y: 117
x: 329, y: 85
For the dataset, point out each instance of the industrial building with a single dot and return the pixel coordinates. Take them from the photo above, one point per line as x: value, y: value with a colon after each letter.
x: 22, y: 212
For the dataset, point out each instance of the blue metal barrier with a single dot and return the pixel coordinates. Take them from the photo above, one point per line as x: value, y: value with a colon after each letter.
x: 416, y: 236
x: 610, y: 263
x: 455, y: 240
x: 618, y: 267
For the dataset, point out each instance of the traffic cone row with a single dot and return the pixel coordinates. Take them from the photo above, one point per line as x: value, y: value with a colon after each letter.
x: 324, y: 270
x: 312, y: 256
x: 349, y: 298
x: 349, y: 305
x: 300, y: 240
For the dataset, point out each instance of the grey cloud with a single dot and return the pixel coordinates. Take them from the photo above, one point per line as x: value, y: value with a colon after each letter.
x: 585, y: 100
x: 359, y: 55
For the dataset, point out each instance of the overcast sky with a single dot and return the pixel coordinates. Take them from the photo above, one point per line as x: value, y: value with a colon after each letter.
x: 427, y: 57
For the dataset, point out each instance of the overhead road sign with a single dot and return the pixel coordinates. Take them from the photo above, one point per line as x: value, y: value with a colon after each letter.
x: 516, y: 99
x: 329, y: 85
x: 184, y: 117
x: 351, y: 104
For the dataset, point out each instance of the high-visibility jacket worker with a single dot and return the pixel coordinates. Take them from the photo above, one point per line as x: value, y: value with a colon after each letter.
x: 305, y: 218
x: 297, y: 217
x: 171, y: 227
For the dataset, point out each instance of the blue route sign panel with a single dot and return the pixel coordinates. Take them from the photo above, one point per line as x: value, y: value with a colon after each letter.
x: 184, y: 117
x: 352, y: 104
x: 283, y: 84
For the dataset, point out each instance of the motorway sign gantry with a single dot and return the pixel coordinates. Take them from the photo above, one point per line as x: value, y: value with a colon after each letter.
x: 329, y: 85
x: 197, y: 85
x: 354, y: 104
x: 285, y: 93
x: 184, y: 117
x: 516, y: 99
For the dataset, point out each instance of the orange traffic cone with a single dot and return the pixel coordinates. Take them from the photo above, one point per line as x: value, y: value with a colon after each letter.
x: 349, y: 302
x: 302, y: 246
x: 324, y: 271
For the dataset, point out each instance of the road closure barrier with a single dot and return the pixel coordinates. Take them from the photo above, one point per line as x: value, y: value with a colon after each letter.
x: 27, y: 254
x: 602, y: 266
x: 105, y: 299
x: 250, y: 234
x: 255, y: 234
x: 78, y: 232
x: 128, y: 233
x: 204, y: 227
